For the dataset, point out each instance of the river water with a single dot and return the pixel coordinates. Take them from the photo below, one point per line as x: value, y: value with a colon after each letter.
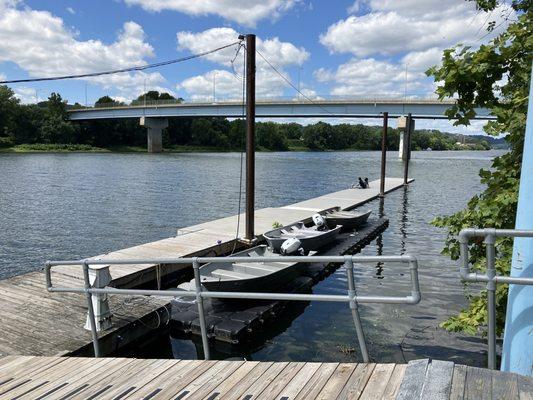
x: 67, y: 206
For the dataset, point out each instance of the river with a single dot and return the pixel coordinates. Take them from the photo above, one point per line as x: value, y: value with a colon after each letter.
x: 66, y: 206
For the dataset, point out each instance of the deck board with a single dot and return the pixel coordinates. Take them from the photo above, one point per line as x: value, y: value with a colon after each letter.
x: 125, y: 378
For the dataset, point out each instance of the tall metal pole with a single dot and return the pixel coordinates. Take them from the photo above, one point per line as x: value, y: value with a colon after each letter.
x: 407, y: 148
x: 383, y: 154
x: 250, y: 135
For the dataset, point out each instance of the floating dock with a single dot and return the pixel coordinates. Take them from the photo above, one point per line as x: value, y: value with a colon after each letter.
x: 35, y: 322
x: 127, y: 378
x: 234, y: 322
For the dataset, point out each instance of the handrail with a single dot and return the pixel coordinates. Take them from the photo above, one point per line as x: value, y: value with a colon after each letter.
x: 326, y: 99
x: 199, y: 294
x: 490, y: 277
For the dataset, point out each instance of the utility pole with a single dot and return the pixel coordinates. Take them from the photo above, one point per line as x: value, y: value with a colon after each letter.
x: 250, y: 136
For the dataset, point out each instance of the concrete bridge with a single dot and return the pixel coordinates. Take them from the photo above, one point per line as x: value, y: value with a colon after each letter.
x: 154, y: 115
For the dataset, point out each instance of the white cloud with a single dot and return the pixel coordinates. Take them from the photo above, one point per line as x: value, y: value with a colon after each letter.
x: 420, y: 61
x: 71, y: 10
x: 28, y: 95
x: 246, y: 13
x: 393, y: 27
x: 268, y: 83
x: 282, y: 53
x: 51, y: 49
x: 394, y: 42
x: 367, y: 78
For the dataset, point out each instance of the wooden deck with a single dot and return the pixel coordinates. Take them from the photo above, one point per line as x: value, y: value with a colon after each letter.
x: 124, y: 378
x: 35, y: 322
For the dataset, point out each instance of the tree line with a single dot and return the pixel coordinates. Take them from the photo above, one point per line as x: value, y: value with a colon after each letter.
x: 47, y: 123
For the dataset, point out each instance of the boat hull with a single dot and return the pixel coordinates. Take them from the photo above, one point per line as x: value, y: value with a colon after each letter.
x: 267, y: 283
x: 308, y: 243
x: 348, y: 220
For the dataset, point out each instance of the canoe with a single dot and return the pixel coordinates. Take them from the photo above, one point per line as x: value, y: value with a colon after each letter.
x: 310, y: 237
x: 247, y: 276
x: 348, y: 219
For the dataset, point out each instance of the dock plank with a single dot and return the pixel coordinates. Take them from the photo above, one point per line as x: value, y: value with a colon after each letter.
x: 314, y: 386
x: 438, y: 381
x: 337, y: 381
x: 237, y: 391
x: 377, y: 384
x: 52, y: 378
x: 357, y: 382
x: 393, y: 386
x: 458, y: 382
x: 478, y: 384
x: 413, y: 381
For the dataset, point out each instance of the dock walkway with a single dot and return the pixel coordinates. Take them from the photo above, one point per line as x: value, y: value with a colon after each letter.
x: 126, y: 378
x: 35, y: 322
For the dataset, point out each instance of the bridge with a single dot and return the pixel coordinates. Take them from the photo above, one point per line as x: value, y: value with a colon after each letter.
x: 154, y: 114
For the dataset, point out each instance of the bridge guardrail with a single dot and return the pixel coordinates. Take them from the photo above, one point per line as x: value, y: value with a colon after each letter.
x: 266, y: 100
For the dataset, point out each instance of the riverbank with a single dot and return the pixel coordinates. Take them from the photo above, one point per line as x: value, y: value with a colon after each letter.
x: 85, y: 148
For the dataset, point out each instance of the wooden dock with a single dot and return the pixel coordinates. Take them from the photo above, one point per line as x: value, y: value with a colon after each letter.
x: 126, y: 378
x: 35, y: 322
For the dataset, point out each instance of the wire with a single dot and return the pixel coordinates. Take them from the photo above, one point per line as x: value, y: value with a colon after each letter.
x: 130, y: 69
x: 292, y: 84
x: 242, y: 151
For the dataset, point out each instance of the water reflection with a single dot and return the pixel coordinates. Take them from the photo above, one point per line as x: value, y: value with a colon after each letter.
x: 404, y: 219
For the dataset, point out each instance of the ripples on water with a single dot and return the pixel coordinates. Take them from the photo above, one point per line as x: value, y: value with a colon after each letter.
x: 57, y: 206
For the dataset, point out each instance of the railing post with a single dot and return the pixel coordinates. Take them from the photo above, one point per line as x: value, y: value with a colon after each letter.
x: 200, y: 303
x: 348, y: 265
x: 491, y: 298
x: 90, y: 308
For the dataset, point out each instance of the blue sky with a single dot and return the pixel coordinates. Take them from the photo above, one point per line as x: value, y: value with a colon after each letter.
x: 361, y: 48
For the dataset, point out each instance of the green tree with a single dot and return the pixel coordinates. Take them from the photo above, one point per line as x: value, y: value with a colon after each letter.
x: 9, y: 105
x: 495, y: 76
x: 56, y: 128
x: 104, y: 101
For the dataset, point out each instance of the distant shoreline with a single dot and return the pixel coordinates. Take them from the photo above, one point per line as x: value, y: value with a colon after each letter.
x: 75, y: 148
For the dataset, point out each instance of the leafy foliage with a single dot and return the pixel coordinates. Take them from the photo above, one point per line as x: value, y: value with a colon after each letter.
x: 495, y: 76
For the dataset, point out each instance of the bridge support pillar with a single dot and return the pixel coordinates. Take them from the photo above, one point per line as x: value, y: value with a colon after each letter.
x: 154, y: 130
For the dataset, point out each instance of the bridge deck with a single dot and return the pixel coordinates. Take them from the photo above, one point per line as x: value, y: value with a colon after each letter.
x: 122, y: 378
x: 35, y: 322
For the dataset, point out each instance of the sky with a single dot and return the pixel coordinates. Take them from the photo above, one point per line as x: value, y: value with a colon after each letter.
x: 362, y: 48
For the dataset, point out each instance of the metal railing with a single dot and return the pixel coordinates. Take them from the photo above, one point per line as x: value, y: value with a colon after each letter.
x: 199, y: 294
x: 490, y: 276
x: 322, y: 99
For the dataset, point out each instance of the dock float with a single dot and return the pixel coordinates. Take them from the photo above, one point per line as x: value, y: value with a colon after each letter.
x: 35, y: 322
x: 235, y: 323
x: 126, y: 378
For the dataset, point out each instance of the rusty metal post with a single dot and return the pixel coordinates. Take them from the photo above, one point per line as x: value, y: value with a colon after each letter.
x: 407, y: 147
x: 383, y: 154
x: 250, y: 135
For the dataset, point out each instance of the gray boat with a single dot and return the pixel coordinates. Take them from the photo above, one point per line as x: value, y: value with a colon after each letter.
x: 311, y: 238
x: 348, y: 219
x: 247, y: 276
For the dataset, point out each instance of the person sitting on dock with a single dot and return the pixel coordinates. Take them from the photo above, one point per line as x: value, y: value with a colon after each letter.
x: 362, y: 184
x: 367, y: 184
